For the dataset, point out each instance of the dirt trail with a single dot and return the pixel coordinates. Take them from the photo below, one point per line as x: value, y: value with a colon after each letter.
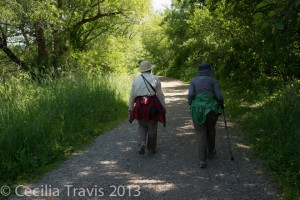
x: 112, y: 168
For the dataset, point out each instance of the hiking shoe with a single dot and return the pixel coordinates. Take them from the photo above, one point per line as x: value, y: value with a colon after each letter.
x: 142, y: 149
x: 210, y: 154
x: 151, y: 152
x: 203, y: 164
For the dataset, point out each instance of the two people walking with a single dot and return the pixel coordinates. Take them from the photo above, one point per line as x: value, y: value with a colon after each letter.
x: 147, y: 105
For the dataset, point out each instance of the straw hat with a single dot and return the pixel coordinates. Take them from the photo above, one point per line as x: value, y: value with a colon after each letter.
x: 146, y: 66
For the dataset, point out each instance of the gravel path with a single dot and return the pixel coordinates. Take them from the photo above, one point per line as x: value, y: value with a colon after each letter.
x: 111, y: 167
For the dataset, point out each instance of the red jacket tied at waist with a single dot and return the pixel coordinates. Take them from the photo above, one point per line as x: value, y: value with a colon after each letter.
x: 141, y: 111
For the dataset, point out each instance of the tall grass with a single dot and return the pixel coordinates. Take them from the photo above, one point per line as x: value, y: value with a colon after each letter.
x: 271, y: 121
x: 39, y: 123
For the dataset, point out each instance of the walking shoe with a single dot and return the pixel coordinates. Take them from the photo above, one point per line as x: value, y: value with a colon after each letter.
x: 212, y: 153
x: 203, y: 164
x: 142, y: 149
x: 151, y: 152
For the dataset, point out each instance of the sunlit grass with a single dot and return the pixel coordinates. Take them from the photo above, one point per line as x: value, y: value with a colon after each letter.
x: 42, y: 123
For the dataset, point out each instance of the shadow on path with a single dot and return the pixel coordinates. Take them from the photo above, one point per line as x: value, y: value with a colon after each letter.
x: 112, y: 168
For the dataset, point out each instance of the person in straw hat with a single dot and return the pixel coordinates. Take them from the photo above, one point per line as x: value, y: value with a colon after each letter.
x: 206, y: 101
x: 147, y: 105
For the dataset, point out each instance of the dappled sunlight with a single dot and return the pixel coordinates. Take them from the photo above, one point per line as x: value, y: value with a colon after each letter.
x: 169, y: 100
x: 220, y: 175
x: 259, y: 172
x: 126, y: 149
x: 118, y: 174
x: 86, y: 171
x: 188, y: 127
x: 163, y: 156
x: 221, y: 122
x: 153, y: 184
x: 243, y: 146
x: 183, y: 173
x: 175, y: 100
x: 172, y: 84
x: 161, y: 187
x: 216, y: 188
x: 77, y: 153
x: 183, y: 132
x: 156, y: 185
x: 178, y: 95
x: 123, y: 145
x: 175, y: 94
x: 108, y: 162
x: 247, y: 159
x: 250, y: 185
x: 146, y: 181
x: 113, y: 170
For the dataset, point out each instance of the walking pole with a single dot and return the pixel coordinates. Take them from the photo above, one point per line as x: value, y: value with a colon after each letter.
x: 227, y: 134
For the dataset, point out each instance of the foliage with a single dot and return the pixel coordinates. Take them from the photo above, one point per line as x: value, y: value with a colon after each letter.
x: 276, y: 136
x: 270, y: 121
x: 278, y: 23
x: 114, y: 54
x: 254, y: 47
x: 244, y: 40
x: 39, y: 41
x: 154, y: 42
x: 40, y: 123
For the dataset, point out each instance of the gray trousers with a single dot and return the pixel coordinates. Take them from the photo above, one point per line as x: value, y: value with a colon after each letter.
x: 206, y: 135
x: 148, y: 133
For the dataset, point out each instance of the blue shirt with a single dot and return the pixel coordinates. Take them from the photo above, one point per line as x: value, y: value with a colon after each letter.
x: 204, y: 84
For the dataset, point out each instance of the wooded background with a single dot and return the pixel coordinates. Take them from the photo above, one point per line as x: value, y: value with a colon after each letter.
x: 254, y: 45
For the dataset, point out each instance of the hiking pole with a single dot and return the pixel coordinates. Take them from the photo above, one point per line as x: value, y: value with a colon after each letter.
x: 227, y: 134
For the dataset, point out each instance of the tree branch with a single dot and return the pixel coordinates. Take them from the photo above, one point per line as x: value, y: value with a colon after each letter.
x: 94, y: 18
x: 83, y: 21
x: 8, y: 52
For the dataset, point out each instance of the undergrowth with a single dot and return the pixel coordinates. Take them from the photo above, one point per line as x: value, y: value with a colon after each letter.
x: 41, y: 123
x: 270, y: 120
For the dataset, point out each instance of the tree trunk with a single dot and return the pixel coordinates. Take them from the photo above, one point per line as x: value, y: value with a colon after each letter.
x: 42, y: 57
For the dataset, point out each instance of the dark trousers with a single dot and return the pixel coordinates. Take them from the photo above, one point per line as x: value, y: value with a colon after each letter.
x: 148, y: 133
x: 206, y: 135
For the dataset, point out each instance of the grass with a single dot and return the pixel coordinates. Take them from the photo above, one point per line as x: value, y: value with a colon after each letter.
x: 270, y: 120
x: 41, y: 124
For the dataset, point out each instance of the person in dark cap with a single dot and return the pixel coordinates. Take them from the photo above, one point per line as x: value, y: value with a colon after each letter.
x: 206, y: 101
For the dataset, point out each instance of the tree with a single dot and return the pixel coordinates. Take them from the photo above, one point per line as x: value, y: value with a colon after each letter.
x: 246, y: 39
x: 278, y: 25
x: 38, y: 35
